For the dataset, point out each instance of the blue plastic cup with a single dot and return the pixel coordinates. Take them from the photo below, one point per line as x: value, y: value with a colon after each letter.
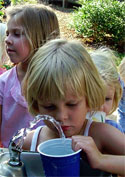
x: 59, y: 159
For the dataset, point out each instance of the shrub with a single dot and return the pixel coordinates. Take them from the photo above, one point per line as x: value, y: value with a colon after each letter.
x: 101, y: 20
x: 14, y: 2
x: 1, y: 9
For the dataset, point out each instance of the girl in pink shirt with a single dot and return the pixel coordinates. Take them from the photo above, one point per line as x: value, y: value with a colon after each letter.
x: 28, y: 28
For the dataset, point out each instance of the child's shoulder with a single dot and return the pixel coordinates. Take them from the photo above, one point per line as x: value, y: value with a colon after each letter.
x: 8, y: 78
x: 100, y: 129
x: 98, y: 126
x: 8, y: 73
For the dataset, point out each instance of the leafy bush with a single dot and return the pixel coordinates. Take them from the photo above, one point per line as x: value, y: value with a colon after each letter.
x: 6, y: 3
x: 1, y: 4
x: 14, y: 2
x: 1, y: 9
x: 101, y: 20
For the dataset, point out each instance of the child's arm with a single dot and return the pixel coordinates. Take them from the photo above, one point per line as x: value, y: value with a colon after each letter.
x: 112, y: 163
x: 38, y: 136
x: 28, y: 140
x: 109, y: 163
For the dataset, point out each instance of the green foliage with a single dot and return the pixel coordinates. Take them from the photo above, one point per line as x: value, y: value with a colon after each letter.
x: 119, y: 56
x: 7, y: 66
x: 101, y: 20
x: 1, y: 13
x: 1, y: 9
x: 14, y: 2
x: 1, y: 4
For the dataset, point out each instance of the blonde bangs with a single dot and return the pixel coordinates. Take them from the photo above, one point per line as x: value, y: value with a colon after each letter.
x: 54, y: 84
x: 59, y: 76
x: 60, y: 67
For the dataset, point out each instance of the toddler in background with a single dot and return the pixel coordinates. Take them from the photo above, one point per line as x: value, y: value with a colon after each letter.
x: 28, y: 28
x: 121, y: 107
x: 67, y: 85
x: 104, y: 59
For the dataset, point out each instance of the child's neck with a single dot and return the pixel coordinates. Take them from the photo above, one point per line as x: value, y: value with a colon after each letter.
x: 21, y: 71
x: 83, y: 128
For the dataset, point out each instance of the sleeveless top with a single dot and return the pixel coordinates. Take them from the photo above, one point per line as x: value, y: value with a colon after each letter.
x: 85, y: 168
x: 37, y: 131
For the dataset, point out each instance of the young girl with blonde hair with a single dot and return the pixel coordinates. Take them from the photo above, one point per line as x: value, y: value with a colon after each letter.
x: 28, y: 28
x: 104, y: 59
x: 63, y: 82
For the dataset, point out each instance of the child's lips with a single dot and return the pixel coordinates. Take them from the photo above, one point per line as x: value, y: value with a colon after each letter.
x: 65, y: 128
x: 10, y: 50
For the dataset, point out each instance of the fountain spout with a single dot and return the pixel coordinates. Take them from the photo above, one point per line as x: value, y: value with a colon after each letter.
x: 14, y: 152
x: 11, y: 165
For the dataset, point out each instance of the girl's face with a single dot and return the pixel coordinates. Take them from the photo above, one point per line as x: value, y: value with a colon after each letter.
x: 17, y: 45
x: 107, y: 106
x: 70, y: 112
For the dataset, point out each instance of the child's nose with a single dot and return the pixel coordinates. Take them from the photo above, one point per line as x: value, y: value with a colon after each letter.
x: 8, y: 40
x: 62, y: 116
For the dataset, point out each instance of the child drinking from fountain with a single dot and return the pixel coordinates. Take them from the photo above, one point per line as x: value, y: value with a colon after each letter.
x: 28, y: 28
x: 104, y: 59
x: 121, y: 107
x: 63, y: 82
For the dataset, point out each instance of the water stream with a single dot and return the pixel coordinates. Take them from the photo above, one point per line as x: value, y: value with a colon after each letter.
x: 7, y: 168
x: 50, y: 119
x: 18, y: 138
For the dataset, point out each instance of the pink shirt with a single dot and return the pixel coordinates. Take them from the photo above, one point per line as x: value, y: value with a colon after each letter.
x: 15, y: 114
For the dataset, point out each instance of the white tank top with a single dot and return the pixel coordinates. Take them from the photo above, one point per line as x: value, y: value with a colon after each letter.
x: 35, y: 138
x: 37, y: 131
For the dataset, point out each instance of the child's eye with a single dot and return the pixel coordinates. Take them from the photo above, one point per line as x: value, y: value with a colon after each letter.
x: 51, y: 107
x: 17, y: 34
x: 71, y: 104
x: 107, y: 99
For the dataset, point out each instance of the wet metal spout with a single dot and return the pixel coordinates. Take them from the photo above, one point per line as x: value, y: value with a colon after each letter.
x: 14, y: 152
x: 11, y: 165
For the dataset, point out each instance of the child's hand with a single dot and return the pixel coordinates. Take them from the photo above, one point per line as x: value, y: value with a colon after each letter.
x: 88, y: 145
x: 111, y: 163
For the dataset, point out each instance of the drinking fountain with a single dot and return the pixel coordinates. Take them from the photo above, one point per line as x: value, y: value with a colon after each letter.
x: 11, y: 164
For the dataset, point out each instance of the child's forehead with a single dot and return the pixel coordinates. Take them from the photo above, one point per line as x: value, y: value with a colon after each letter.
x: 59, y: 91
x: 15, y: 24
x: 69, y: 96
x: 110, y: 89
